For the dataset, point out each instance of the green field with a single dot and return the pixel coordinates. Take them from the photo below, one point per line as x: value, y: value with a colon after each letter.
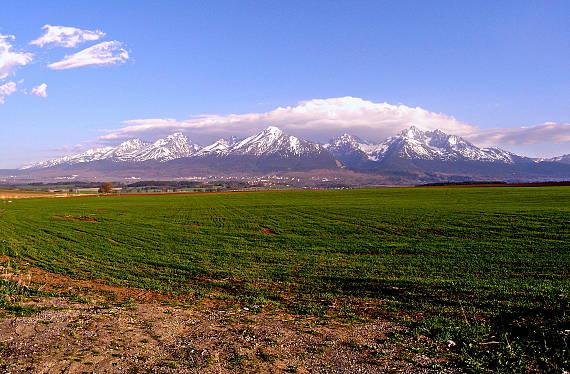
x: 488, y: 268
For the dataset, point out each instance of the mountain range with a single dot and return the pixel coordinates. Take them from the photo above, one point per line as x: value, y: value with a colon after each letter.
x: 413, y: 152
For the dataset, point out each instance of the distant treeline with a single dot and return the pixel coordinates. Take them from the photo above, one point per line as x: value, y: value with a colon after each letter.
x: 466, y: 183
x: 170, y: 184
x: 144, y: 185
x: 190, y: 184
x: 69, y: 184
x: 499, y: 183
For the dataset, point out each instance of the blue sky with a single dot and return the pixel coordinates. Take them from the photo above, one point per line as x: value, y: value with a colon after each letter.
x: 495, y: 72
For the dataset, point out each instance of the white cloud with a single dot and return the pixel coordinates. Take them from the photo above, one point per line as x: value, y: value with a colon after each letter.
x: 40, y: 90
x: 67, y: 37
x: 105, y: 53
x: 545, y: 133
x: 10, y: 60
x: 6, y: 90
x: 315, y: 119
x: 321, y: 119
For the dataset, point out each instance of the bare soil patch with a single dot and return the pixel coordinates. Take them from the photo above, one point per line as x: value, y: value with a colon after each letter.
x: 268, y: 231
x: 149, y: 333
x: 192, y: 225
x: 81, y: 218
x: 152, y: 338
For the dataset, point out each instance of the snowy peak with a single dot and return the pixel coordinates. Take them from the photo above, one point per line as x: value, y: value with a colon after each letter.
x: 416, y: 144
x: 270, y: 141
x: 413, y: 133
x: 90, y: 155
x: 126, y: 149
x: 346, y: 140
x: 219, y: 148
x: 274, y: 141
x: 413, y: 143
x: 131, y: 145
x: 565, y: 159
x: 172, y: 147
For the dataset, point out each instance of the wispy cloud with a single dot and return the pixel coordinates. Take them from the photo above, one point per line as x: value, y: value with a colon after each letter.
x: 318, y: 118
x: 9, y: 59
x: 545, y: 133
x: 67, y: 37
x: 66, y: 149
x: 40, y: 90
x: 7, y: 90
x: 105, y: 53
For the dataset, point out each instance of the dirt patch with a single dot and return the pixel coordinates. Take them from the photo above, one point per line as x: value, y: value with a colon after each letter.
x: 141, y: 338
x: 81, y: 218
x: 192, y: 225
x: 268, y: 231
x: 190, y: 336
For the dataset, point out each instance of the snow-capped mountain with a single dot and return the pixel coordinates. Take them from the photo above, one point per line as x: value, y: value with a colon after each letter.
x: 173, y: 146
x: 221, y: 147
x: 274, y: 141
x: 270, y: 143
x: 415, y: 144
x: 351, y: 150
x: 87, y: 156
x: 126, y: 150
x: 413, y: 154
x: 565, y: 159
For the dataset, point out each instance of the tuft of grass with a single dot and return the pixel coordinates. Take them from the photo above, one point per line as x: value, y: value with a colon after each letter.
x: 12, y: 293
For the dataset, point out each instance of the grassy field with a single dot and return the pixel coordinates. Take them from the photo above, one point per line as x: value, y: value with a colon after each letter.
x: 485, y: 271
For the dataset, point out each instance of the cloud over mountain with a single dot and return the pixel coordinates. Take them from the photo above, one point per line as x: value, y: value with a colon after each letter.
x: 318, y: 118
x: 321, y: 119
x: 548, y: 132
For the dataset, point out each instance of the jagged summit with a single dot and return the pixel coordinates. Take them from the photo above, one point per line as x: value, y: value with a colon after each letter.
x: 273, y: 140
x: 173, y: 146
x: 413, y: 132
x: 416, y: 144
x: 218, y: 148
x: 270, y: 141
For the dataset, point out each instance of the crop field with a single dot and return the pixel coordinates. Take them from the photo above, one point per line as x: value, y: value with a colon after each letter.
x: 18, y: 194
x: 480, y: 276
